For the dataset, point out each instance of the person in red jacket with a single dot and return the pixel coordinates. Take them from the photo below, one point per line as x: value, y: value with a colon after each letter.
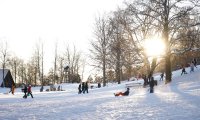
x: 29, y: 91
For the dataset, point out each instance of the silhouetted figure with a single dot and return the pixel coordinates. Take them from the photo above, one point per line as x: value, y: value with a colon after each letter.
x: 83, y: 88
x: 151, y: 85
x: 86, y: 87
x: 126, y: 93
x: 161, y: 76
x: 145, y: 80
x: 25, y: 91
x: 195, y: 62
x: 79, y: 89
x: 183, y: 71
x: 99, y: 85
x: 59, y: 88
x: 41, y: 89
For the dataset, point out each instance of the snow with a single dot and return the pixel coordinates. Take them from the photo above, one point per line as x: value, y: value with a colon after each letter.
x: 178, y: 100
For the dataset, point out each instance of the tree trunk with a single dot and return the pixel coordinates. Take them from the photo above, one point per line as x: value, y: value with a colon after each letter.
x: 104, y: 71
x: 167, y: 42
x: 168, y: 69
x: 118, y: 75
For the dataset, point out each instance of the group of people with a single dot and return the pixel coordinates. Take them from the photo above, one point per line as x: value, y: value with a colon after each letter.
x: 192, y: 65
x: 83, y: 88
x: 27, y: 91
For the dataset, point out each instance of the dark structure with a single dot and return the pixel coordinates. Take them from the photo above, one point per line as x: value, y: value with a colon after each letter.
x: 8, y: 80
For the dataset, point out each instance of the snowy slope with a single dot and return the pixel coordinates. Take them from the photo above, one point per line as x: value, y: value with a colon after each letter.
x: 178, y: 100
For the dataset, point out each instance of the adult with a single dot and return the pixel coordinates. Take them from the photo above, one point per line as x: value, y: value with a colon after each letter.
x: 192, y: 66
x: 83, y: 88
x: 161, y: 76
x: 25, y: 91
x: 86, y: 87
x: 126, y: 93
x: 42, y: 88
x: 151, y: 84
x: 195, y: 62
x: 79, y: 89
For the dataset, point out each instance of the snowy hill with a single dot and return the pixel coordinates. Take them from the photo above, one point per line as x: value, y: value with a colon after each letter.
x: 178, y: 100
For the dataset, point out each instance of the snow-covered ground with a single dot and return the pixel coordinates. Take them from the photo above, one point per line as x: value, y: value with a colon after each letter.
x: 179, y: 100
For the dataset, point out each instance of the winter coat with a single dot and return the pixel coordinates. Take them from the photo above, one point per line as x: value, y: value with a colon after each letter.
x: 25, y: 89
x: 29, y: 89
x: 126, y: 93
x: 152, y: 83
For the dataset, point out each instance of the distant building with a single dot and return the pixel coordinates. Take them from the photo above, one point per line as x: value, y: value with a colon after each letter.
x: 8, y: 80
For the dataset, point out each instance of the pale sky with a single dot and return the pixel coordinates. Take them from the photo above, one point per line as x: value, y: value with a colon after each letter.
x: 23, y: 22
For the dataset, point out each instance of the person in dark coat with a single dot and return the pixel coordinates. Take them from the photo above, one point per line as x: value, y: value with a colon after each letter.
x: 151, y: 84
x: 145, y: 80
x: 99, y: 85
x: 161, y: 76
x: 183, y: 71
x: 126, y: 93
x: 195, y: 62
x: 83, y: 88
x: 79, y: 89
x: 29, y: 91
x: 25, y: 91
x: 86, y: 87
x: 41, y: 89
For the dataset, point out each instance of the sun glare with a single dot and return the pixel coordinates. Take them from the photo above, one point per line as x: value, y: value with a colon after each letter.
x: 154, y: 47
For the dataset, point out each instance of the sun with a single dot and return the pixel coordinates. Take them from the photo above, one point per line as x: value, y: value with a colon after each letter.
x: 154, y: 47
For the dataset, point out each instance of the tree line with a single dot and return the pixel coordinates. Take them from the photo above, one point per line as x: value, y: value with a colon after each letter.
x: 119, y: 44
x: 32, y: 71
x: 117, y: 50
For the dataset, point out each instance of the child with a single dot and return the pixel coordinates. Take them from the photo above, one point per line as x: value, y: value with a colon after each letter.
x: 29, y: 91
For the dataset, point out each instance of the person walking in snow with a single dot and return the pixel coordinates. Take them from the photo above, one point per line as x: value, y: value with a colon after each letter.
x: 195, y: 62
x: 151, y: 85
x: 183, y: 71
x: 192, y: 67
x: 79, y: 89
x: 25, y: 91
x: 161, y: 76
x: 86, y: 87
x: 126, y: 93
x: 145, y: 80
x: 83, y: 88
x: 29, y: 91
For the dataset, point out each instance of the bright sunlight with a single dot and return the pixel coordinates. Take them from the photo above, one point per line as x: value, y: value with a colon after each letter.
x: 154, y: 47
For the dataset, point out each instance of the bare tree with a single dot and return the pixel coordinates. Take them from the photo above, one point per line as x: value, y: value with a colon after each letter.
x: 38, y: 62
x: 61, y: 68
x: 55, y: 64
x: 14, y: 63
x: 72, y: 59
x: 166, y: 15
x: 100, y: 45
x: 118, y: 43
x: 42, y: 64
x: 4, y: 55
